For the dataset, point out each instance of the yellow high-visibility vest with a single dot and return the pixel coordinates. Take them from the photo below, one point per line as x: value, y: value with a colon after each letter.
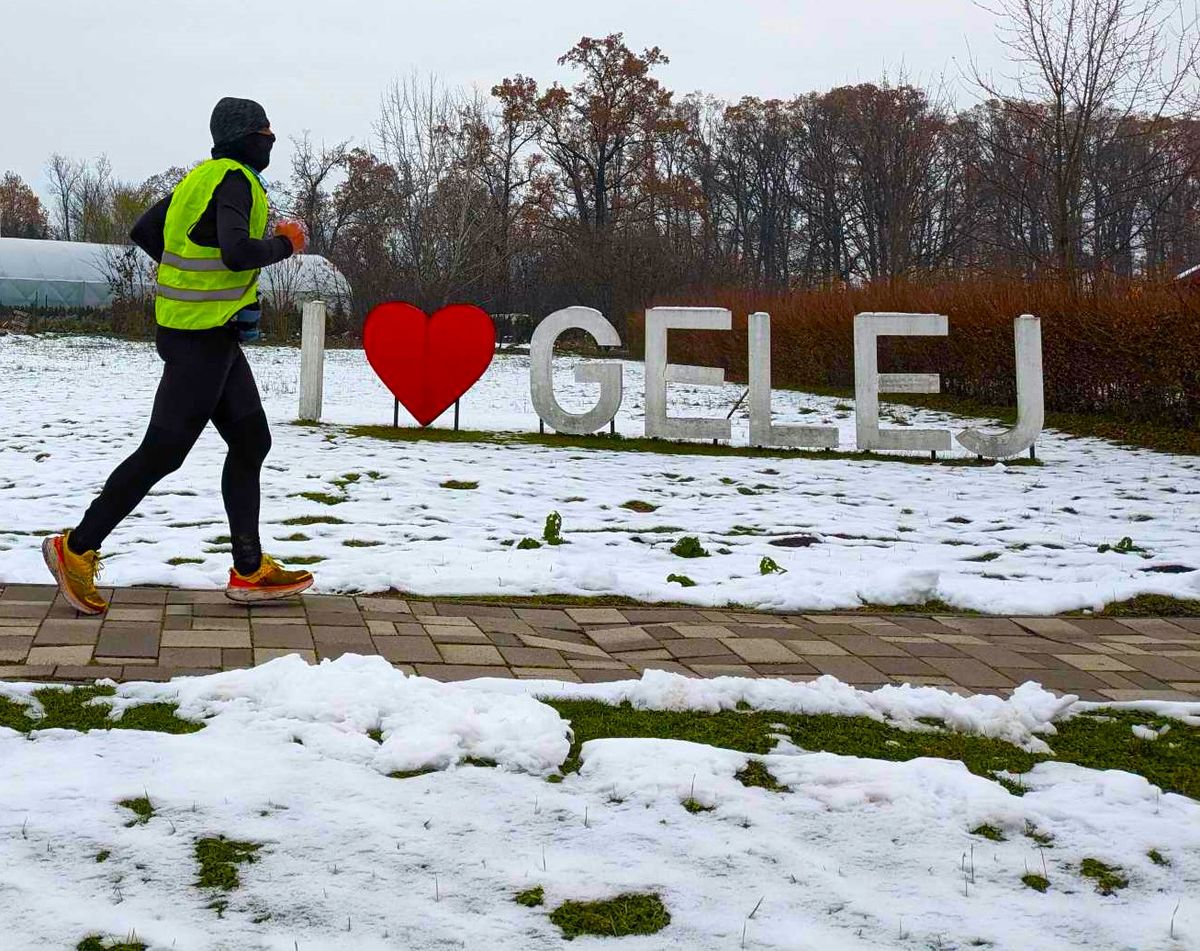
x: 196, y: 291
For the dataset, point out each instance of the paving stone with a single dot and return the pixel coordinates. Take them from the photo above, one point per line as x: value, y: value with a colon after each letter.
x: 567, y: 647
x: 384, y: 605
x: 1027, y: 643
x: 933, y: 649
x: 82, y: 631
x: 721, y: 658
x: 14, y: 649
x: 281, y: 637
x: 956, y: 639
x: 1093, y: 662
x: 233, y: 658
x: 504, y: 640
x: 179, y: 610
x: 272, y: 622
x: 670, y: 666
x: 601, y: 676
x: 264, y: 654
x: 851, y: 670
x: 595, y: 616
x: 484, y: 654
x: 436, y: 620
x: 561, y: 674
x: 221, y: 624
x: 503, y: 625
x: 760, y: 650
x: 133, y: 614
x: 6, y: 623
x: 335, y: 619
x: 1121, y: 695
x: 456, y: 635
x: 1144, y: 680
x: 29, y: 592
x: 88, y: 672
x: 189, y: 657
x: 592, y: 663
x: 635, y: 657
x: 408, y: 650
x: 615, y: 639
x: 1071, y: 680
x: 380, y: 627
x: 981, y: 626
x: 24, y: 610
x: 340, y: 635
x: 1002, y: 657
x: 864, y: 645
x: 140, y: 596
x: 334, y: 651
x: 532, y: 657
x: 1164, y: 668
x: 906, y: 667
x: 54, y: 656
x: 545, y: 617
x: 661, y: 616
x: 452, y: 672
x: 970, y: 672
x: 723, y: 670
x: 197, y: 597
x: 702, y: 630
x: 27, y: 671
x: 783, y: 670
x: 1154, y: 627
x: 684, y: 647
x: 126, y: 643
x: 473, y: 611
x: 1093, y: 626
x: 229, y: 639
x: 220, y: 609
x: 177, y: 623
x: 921, y: 625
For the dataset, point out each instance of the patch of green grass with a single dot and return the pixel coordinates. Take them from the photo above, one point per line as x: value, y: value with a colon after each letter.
x: 175, y: 562
x: 313, y: 520
x: 220, y: 540
x: 637, y: 505
x: 1099, y: 740
x: 97, y: 942
x: 305, y: 559
x: 412, y: 773
x: 323, y: 497
x: 618, y: 443
x: 1108, y: 878
x: 1152, y: 605
x: 457, y: 484
x: 695, y: 806
x: 689, y: 547
x: 989, y: 832
x: 102, y: 855
x: 142, y: 809
x: 294, y: 537
x: 986, y: 556
x: 1038, y: 883
x: 531, y: 897
x: 360, y: 543
x: 68, y: 708
x: 627, y: 914
x: 376, y: 734
x: 1044, y: 839
x: 1157, y: 857
x: 681, y: 580
x: 348, y: 479
x: 218, y: 859
x: 755, y: 774
x: 552, y: 530
x: 769, y: 566
x: 525, y: 544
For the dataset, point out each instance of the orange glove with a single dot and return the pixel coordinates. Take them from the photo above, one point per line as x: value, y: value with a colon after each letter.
x: 294, y: 232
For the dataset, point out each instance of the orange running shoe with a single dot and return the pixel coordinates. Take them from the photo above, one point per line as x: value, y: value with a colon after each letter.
x: 270, y: 582
x: 76, y: 574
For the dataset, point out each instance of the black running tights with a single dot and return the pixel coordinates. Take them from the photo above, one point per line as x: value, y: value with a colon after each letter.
x: 205, y: 378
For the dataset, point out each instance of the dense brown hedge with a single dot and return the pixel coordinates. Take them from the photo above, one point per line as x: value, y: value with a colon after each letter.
x: 1129, y: 350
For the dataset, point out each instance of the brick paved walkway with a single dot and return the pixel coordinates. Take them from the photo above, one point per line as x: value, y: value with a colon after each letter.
x: 154, y: 634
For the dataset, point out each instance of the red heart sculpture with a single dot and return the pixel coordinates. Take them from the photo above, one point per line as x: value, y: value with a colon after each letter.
x: 428, y: 362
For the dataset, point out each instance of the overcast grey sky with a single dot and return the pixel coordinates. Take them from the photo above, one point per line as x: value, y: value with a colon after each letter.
x: 136, y: 79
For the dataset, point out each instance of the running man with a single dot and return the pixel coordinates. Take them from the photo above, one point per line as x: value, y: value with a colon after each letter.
x: 208, y: 239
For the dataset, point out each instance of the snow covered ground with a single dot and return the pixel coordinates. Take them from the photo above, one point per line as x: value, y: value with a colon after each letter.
x: 859, y: 854
x: 997, y: 539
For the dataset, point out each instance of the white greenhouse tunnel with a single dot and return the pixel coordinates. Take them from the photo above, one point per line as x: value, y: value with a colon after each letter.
x: 36, y: 274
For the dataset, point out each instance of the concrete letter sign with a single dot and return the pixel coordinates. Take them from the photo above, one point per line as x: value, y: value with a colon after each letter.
x: 428, y: 362
x: 658, y: 374
x: 869, y: 382
x: 762, y: 432
x: 606, y: 373
x: 1031, y: 410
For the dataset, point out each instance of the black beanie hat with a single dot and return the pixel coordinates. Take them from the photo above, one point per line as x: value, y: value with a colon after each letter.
x: 234, y: 118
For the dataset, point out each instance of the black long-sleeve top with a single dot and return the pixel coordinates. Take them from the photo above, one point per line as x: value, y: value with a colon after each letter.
x: 225, y: 224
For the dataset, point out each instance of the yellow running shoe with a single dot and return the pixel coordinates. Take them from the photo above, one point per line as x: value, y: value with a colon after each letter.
x: 270, y: 582
x: 76, y: 574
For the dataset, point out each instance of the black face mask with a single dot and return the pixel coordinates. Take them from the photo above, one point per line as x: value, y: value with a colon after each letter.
x: 253, y: 150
